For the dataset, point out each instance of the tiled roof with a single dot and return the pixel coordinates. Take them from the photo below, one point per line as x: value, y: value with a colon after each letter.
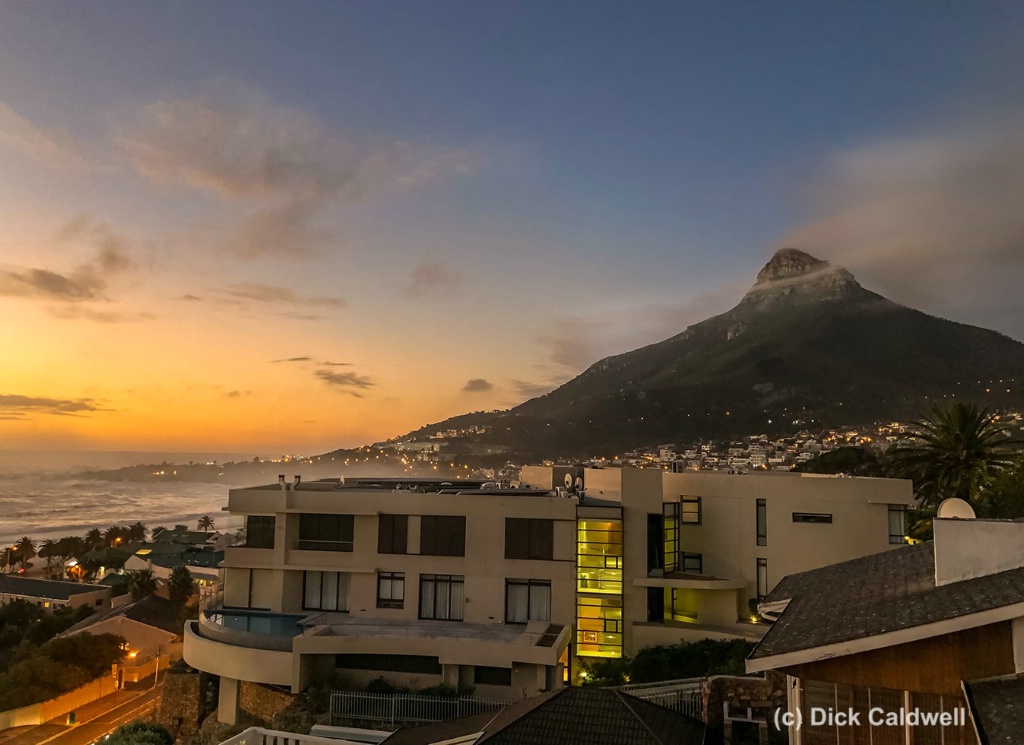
x: 997, y: 706
x: 571, y: 716
x: 45, y: 588
x: 152, y: 610
x: 875, y: 595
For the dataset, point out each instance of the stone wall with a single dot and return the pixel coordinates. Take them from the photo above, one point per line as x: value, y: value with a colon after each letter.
x: 760, y: 695
x: 263, y: 703
x: 181, y: 704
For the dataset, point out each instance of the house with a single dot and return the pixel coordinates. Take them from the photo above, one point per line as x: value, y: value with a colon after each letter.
x: 935, y: 628
x: 53, y: 594
x: 567, y: 716
x: 671, y: 557
x: 419, y: 581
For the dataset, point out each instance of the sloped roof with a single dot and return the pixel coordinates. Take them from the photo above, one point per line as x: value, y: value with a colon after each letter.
x: 875, y: 595
x: 997, y: 708
x: 152, y: 610
x: 568, y: 716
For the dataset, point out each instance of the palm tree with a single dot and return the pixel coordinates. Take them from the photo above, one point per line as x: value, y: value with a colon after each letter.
x: 25, y: 549
x: 136, y: 532
x: 141, y: 583
x: 48, y: 551
x: 205, y: 523
x: 958, y: 451
x: 113, y: 535
x: 94, y: 538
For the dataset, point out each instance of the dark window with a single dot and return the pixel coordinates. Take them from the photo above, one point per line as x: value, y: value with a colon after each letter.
x: 655, y: 544
x: 690, y: 510
x: 325, y: 532
x: 693, y: 563
x: 492, y: 676
x: 811, y: 517
x: 527, y: 538
x: 390, y: 590
x: 259, y: 531
x: 527, y: 600
x: 897, y: 523
x: 392, y: 534
x: 443, y: 535
x: 762, y: 522
x: 98, y: 602
x: 325, y: 591
x: 762, y: 578
x: 391, y: 663
x: 442, y: 596
x: 655, y: 604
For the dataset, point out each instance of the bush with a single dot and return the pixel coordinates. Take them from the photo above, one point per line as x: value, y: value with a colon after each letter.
x: 60, y: 665
x: 140, y: 733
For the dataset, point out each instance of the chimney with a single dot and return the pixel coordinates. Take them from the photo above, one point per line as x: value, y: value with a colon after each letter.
x: 282, y: 482
x: 298, y: 478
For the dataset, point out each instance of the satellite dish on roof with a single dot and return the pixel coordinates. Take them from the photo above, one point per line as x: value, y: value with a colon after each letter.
x: 568, y: 481
x: 955, y: 508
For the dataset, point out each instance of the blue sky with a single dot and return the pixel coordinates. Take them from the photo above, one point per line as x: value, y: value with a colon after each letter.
x: 517, y: 189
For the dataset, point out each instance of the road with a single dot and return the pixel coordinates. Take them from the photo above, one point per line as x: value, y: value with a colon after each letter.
x: 94, y: 720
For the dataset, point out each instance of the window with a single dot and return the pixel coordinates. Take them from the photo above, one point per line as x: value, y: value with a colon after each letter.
x: 390, y: 663
x: 527, y: 538
x: 762, y: 578
x: 325, y: 532
x: 655, y: 545
x: 492, y: 676
x: 670, y: 515
x: 443, y: 535
x: 259, y: 531
x: 325, y: 591
x: 691, y: 510
x: 527, y: 600
x: 442, y: 596
x: 390, y: 590
x: 392, y: 534
x: 762, y: 522
x: 897, y: 523
x: 812, y: 517
x: 599, y: 626
x: 599, y: 556
x: 693, y: 563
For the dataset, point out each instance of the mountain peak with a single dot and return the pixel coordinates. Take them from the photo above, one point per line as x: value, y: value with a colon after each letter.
x: 794, y: 272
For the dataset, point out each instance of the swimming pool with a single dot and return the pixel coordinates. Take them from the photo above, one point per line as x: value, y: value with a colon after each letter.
x: 276, y: 624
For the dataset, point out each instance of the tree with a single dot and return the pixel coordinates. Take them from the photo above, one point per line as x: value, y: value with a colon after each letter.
x: 48, y: 551
x: 958, y: 451
x: 94, y: 538
x: 205, y: 523
x: 141, y: 583
x: 25, y: 549
x: 157, y: 531
x: 140, y: 733
x: 180, y: 586
x: 136, y: 532
x: 113, y: 535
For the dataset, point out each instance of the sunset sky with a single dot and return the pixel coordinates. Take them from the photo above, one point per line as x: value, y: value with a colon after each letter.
x: 295, y: 226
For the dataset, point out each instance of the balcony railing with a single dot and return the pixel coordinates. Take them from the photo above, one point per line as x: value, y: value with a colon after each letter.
x: 310, y: 545
x: 425, y: 629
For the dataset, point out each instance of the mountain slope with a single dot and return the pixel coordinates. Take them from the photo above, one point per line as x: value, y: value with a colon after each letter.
x: 806, y: 344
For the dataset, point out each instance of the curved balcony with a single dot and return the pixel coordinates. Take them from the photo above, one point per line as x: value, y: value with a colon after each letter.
x: 221, y: 657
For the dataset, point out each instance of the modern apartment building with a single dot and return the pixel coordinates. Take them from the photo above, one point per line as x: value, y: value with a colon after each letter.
x: 667, y: 557
x: 421, y: 582
x: 465, y: 583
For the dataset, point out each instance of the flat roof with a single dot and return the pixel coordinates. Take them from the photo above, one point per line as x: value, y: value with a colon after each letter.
x: 480, y: 487
x: 45, y: 588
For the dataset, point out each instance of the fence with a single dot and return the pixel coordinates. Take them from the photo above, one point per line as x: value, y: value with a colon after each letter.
x: 683, y: 695
x: 406, y: 708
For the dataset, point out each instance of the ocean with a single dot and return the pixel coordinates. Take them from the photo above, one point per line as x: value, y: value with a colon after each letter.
x: 39, y: 499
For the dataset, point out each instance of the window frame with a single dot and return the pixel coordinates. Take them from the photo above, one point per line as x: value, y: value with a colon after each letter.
x: 438, y: 579
x: 539, y: 540
x: 762, y: 522
x: 529, y: 584
x: 318, y: 523
x: 390, y: 602
x: 267, y: 528
x: 813, y: 518
x: 687, y: 556
x: 398, y: 536
x: 903, y: 511
x: 339, y: 596
x: 684, y: 513
x: 430, y: 543
x: 762, y: 578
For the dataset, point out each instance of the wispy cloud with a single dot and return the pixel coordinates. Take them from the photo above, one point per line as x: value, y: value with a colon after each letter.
x: 524, y: 389
x: 277, y: 295
x: 477, y: 385
x: 87, y: 282
x: 282, y: 167
x: 433, y: 276
x: 20, y: 136
x: 930, y: 219
x: 346, y: 382
x: 21, y: 407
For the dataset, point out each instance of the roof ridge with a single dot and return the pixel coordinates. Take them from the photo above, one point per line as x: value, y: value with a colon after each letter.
x: 624, y: 697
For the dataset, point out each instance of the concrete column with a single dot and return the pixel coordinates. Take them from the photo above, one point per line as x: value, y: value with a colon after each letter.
x: 450, y: 675
x: 227, y: 702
